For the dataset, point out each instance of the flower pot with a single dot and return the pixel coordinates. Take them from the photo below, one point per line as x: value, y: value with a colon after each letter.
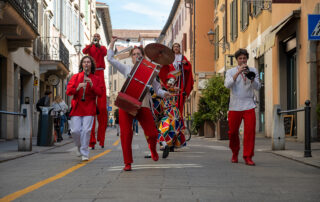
x: 209, y: 129
x: 222, y: 130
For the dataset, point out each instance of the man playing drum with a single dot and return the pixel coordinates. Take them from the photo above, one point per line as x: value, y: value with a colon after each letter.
x: 144, y: 114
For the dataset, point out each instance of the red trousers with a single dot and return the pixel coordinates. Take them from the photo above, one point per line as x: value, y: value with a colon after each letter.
x: 235, y: 118
x: 148, y: 125
x: 102, y: 116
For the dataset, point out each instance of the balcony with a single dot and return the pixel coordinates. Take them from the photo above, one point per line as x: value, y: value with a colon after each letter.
x: 19, y: 22
x: 53, y: 55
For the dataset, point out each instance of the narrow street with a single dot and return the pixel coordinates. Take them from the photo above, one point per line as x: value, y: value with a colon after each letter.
x: 202, y: 171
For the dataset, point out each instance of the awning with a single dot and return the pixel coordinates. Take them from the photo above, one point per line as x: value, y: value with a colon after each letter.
x: 270, y: 38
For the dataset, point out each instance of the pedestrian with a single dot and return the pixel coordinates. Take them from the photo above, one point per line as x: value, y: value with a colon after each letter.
x: 135, y: 126
x: 111, y: 121
x: 44, y: 101
x: 84, y: 87
x: 59, y: 110
x: 144, y: 115
x: 98, y: 52
x: 242, y: 106
x: 184, y: 80
x: 116, y: 121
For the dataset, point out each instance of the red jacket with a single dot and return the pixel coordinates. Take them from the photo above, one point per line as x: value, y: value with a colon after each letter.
x: 87, y: 107
x: 98, y: 54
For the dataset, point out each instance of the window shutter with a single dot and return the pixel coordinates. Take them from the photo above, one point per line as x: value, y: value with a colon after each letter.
x: 231, y: 21
x: 235, y: 18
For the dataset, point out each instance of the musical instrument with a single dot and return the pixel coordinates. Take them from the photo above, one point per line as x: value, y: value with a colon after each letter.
x: 159, y: 53
x: 136, y: 86
x: 84, y: 88
x: 127, y: 39
x: 249, y: 74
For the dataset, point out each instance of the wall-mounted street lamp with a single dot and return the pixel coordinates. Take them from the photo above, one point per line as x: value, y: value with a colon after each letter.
x: 78, y: 47
x: 222, y: 43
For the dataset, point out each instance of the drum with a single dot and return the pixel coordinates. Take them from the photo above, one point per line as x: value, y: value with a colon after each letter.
x: 136, y: 86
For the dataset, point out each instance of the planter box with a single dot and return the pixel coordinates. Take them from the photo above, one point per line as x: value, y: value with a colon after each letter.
x: 209, y: 129
x: 222, y: 130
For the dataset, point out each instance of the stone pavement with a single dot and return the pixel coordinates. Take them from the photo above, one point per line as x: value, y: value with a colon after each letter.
x: 9, y: 149
x: 294, y: 150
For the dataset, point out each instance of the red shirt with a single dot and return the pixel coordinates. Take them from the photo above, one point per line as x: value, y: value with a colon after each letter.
x: 87, y: 107
x: 97, y: 53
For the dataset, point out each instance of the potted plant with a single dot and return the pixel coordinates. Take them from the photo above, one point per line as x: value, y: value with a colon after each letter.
x: 216, y: 95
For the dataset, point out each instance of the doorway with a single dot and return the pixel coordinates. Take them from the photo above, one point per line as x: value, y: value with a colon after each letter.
x: 292, y: 86
x: 261, y: 103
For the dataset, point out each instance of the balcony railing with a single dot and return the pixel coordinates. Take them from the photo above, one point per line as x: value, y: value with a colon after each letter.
x: 51, y: 48
x: 28, y: 9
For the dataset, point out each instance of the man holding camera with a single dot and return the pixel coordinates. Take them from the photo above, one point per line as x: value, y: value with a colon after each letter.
x: 98, y: 52
x: 242, y: 81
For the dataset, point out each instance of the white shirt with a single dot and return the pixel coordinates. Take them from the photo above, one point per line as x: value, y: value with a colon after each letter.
x: 60, y: 107
x: 177, y: 61
x: 125, y: 70
x: 241, y: 90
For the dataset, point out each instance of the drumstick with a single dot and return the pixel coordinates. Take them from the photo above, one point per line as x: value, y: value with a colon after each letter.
x: 127, y: 40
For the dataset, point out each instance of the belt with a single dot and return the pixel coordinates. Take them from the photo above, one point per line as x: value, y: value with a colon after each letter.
x: 100, y: 68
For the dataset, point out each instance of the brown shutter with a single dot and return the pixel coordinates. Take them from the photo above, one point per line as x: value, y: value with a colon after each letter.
x: 286, y: 1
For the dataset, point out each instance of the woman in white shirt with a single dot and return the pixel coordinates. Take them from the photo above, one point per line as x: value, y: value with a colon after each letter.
x: 59, y: 110
x: 144, y: 115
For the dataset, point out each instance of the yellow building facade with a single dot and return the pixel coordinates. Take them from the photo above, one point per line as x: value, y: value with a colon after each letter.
x: 275, y: 35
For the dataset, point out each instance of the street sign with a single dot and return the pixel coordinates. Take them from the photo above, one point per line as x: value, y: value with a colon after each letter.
x: 313, y: 27
x: 109, y: 109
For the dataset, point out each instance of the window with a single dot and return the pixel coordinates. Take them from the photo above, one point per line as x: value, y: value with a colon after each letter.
x: 234, y: 20
x: 216, y: 41
x: 244, y: 21
x: 257, y: 7
x: 216, y: 3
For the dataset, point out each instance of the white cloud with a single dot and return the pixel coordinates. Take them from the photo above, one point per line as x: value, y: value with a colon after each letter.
x: 145, y: 10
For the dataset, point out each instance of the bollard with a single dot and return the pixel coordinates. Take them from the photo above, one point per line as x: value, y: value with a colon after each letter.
x: 278, y: 135
x: 25, y: 129
x: 307, y: 144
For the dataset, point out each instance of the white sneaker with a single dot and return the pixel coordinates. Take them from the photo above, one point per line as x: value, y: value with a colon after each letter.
x: 136, y: 133
x: 84, y: 158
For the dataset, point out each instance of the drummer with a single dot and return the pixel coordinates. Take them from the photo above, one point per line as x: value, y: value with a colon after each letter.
x: 185, y: 80
x: 144, y: 115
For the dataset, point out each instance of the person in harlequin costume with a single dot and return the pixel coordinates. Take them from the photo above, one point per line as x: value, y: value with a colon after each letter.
x: 84, y: 87
x: 185, y: 80
x: 98, y: 52
x: 144, y: 115
x: 242, y: 81
x: 171, y: 127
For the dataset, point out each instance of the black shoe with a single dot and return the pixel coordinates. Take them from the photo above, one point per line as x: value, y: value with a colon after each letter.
x: 147, y: 156
x: 171, y: 149
x: 92, y: 148
x: 165, y: 152
x: 102, y: 147
x: 117, y: 134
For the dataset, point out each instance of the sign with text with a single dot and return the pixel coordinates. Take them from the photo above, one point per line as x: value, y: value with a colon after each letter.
x: 313, y: 27
x: 230, y: 61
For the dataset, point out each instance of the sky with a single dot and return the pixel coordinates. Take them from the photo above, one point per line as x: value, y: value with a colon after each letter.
x: 139, y: 14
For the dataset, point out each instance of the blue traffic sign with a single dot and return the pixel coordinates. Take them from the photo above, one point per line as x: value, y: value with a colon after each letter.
x: 109, y: 109
x: 313, y: 27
